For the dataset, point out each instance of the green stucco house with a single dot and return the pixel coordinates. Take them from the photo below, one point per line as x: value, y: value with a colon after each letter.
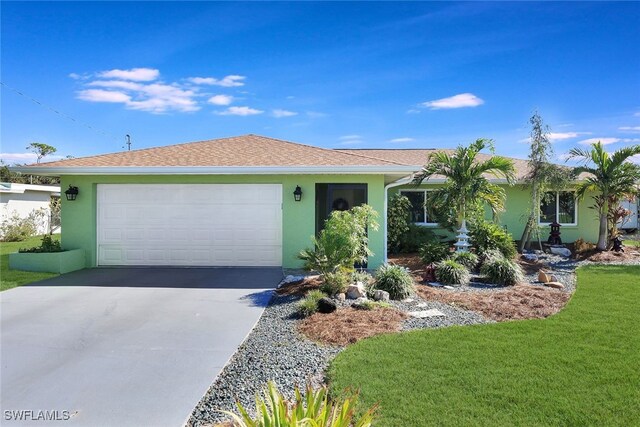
x: 231, y: 201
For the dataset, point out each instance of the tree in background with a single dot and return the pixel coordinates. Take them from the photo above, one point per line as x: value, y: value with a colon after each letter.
x: 612, y: 177
x: 542, y: 176
x: 41, y: 150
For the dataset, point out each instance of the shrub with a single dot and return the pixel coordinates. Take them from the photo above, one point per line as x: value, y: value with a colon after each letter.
x: 48, y: 245
x: 371, y: 305
x: 468, y: 259
x: 491, y: 255
x: 313, y: 409
x: 366, y: 279
x: 309, y: 304
x: 581, y: 246
x: 398, y: 212
x: 343, y: 241
x: 15, y: 228
x: 450, y: 272
x: 336, y: 282
x: 433, y: 252
x: 394, y: 279
x: 486, y: 235
x: 502, y: 271
x: 414, y: 238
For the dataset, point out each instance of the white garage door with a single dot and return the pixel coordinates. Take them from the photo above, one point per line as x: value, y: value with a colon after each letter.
x: 190, y: 224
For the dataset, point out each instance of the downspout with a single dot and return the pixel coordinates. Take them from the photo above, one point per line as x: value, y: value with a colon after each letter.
x: 401, y: 181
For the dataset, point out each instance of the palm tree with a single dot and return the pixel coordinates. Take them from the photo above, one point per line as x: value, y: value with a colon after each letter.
x: 611, y: 176
x: 467, y: 179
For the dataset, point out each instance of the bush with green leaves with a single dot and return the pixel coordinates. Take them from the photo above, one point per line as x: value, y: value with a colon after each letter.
x: 414, y: 238
x: 394, y: 279
x: 309, y: 304
x: 343, y: 242
x: 486, y: 235
x: 16, y: 228
x: 398, y: 211
x: 449, y: 272
x: 336, y: 282
x: 468, y: 259
x: 433, y: 251
x: 370, y: 305
x: 502, y: 271
x: 315, y: 408
x: 48, y: 245
x: 366, y: 279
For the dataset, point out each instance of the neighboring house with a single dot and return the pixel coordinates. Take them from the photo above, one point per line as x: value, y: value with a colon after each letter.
x: 630, y: 223
x: 24, y: 199
x: 230, y: 201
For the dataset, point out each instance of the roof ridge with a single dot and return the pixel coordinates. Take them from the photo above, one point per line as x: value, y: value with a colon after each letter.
x: 432, y: 149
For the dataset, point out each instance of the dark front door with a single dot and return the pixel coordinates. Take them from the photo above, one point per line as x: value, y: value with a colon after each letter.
x: 337, y: 197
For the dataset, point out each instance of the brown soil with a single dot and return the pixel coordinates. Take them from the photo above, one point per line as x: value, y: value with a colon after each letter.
x: 301, y: 287
x: 348, y: 325
x: 610, y: 256
x: 412, y: 262
x: 516, y: 302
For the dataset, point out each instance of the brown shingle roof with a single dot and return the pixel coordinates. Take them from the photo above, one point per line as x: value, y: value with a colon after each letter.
x: 246, y: 150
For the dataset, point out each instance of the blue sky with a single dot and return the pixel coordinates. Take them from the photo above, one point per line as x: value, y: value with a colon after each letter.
x: 385, y: 75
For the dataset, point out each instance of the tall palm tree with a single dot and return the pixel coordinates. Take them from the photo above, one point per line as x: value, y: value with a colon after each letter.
x: 467, y: 179
x: 611, y: 177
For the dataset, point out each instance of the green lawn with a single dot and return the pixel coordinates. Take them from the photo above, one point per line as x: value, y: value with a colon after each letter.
x: 12, y: 278
x: 579, y: 367
x: 632, y: 243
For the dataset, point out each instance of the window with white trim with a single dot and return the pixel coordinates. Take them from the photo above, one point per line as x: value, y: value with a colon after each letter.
x: 420, y: 212
x: 560, y: 206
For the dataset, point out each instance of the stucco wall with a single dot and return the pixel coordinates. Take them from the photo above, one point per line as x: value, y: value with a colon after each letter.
x: 24, y: 204
x: 79, y: 216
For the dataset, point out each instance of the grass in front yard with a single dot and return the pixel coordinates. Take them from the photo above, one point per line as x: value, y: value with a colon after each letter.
x: 578, y: 367
x: 12, y: 278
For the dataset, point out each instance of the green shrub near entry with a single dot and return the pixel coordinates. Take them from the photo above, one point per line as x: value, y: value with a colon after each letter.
x: 433, y: 251
x: 367, y: 280
x: 486, y: 235
x: 450, y: 272
x: 502, y: 271
x: 398, y: 224
x: 468, y: 259
x: 394, y: 279
x: 309, y: 304
x: 414, y: 238
x: 48, y: 245
x: 336, y: 282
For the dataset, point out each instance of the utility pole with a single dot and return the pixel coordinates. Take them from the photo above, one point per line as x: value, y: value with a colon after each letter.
x: 128, y: 143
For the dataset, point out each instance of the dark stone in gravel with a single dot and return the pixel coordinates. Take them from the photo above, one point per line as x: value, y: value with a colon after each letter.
x: 326, y: 305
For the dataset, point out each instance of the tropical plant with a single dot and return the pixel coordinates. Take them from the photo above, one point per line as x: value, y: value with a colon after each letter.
x: 336, y: 282
x: 309, y: 304
x: 467, y: 186
x: 611, y: 176
x: 314, y: 409
x: 397, y: 221
x: 415, y: 237
x: 542, y: 175
x: 433, y: 251
x: 468, y: 259
x: 450, y: 272
x: 343, y: 242
x: 487, y: 235
x: 502, y: 271
x: 394, y: 279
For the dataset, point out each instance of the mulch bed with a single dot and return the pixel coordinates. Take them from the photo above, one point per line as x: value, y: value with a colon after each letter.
x: 516, y: 302
x: 610, y: 256
x: 301, y: 287
x: 348, y: 325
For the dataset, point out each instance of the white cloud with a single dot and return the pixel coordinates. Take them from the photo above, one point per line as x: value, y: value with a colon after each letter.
x: 15, y: 158
x: 559, y: 136
x: 227, y: 81
x: 413, y: 111
x: 400, y: 140
x: 635, y: 159
x: 629, y: 128
x: 119, y: 84
x: 154, y: 98
x: 100, y: 95
x: 457, y: 101
x: 278, y: 113
x: 604, y: 141
x: 135, y: 74
x: 239, y: 111
x: 220, y: 100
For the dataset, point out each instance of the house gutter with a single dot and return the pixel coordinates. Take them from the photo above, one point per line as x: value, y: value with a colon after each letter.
x: 398, y: 183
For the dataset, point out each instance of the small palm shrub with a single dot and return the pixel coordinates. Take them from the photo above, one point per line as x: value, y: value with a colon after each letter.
x: 309, y: 304
x: 336, y: 282
x: 450, y: 272
x: 313, y: 409
x: 486, y: 235
x: 433, y: 251
x: 502, y: 271
x: 468, y: 259
x: 394, y: 279
x: 414, y: 238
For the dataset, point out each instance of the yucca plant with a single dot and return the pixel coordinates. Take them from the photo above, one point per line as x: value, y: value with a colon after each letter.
x: 450, y: 272
x: 314, y: 409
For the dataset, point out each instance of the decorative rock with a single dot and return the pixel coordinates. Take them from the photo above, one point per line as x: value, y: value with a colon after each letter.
x: 543, y: 277
x: 290, y: 279
x: 435, y: 284
x: 551, y: 278
x: 380, y: 295
x: 530, y: 257
x: 407, y: 300
x: 449, y: 287
x: 422, y: 304
x: 326, y: 305
x: 341, y: 296
x: 560, y: 251
x: 426, y: 313
x: 356, y: 291
x: 555, y: 285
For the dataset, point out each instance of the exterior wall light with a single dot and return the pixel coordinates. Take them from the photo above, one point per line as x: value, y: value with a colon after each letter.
x: 297, y: 194
x: 71, y: 193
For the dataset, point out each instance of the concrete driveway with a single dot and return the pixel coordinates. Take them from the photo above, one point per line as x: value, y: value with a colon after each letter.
x: 123, y: 346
